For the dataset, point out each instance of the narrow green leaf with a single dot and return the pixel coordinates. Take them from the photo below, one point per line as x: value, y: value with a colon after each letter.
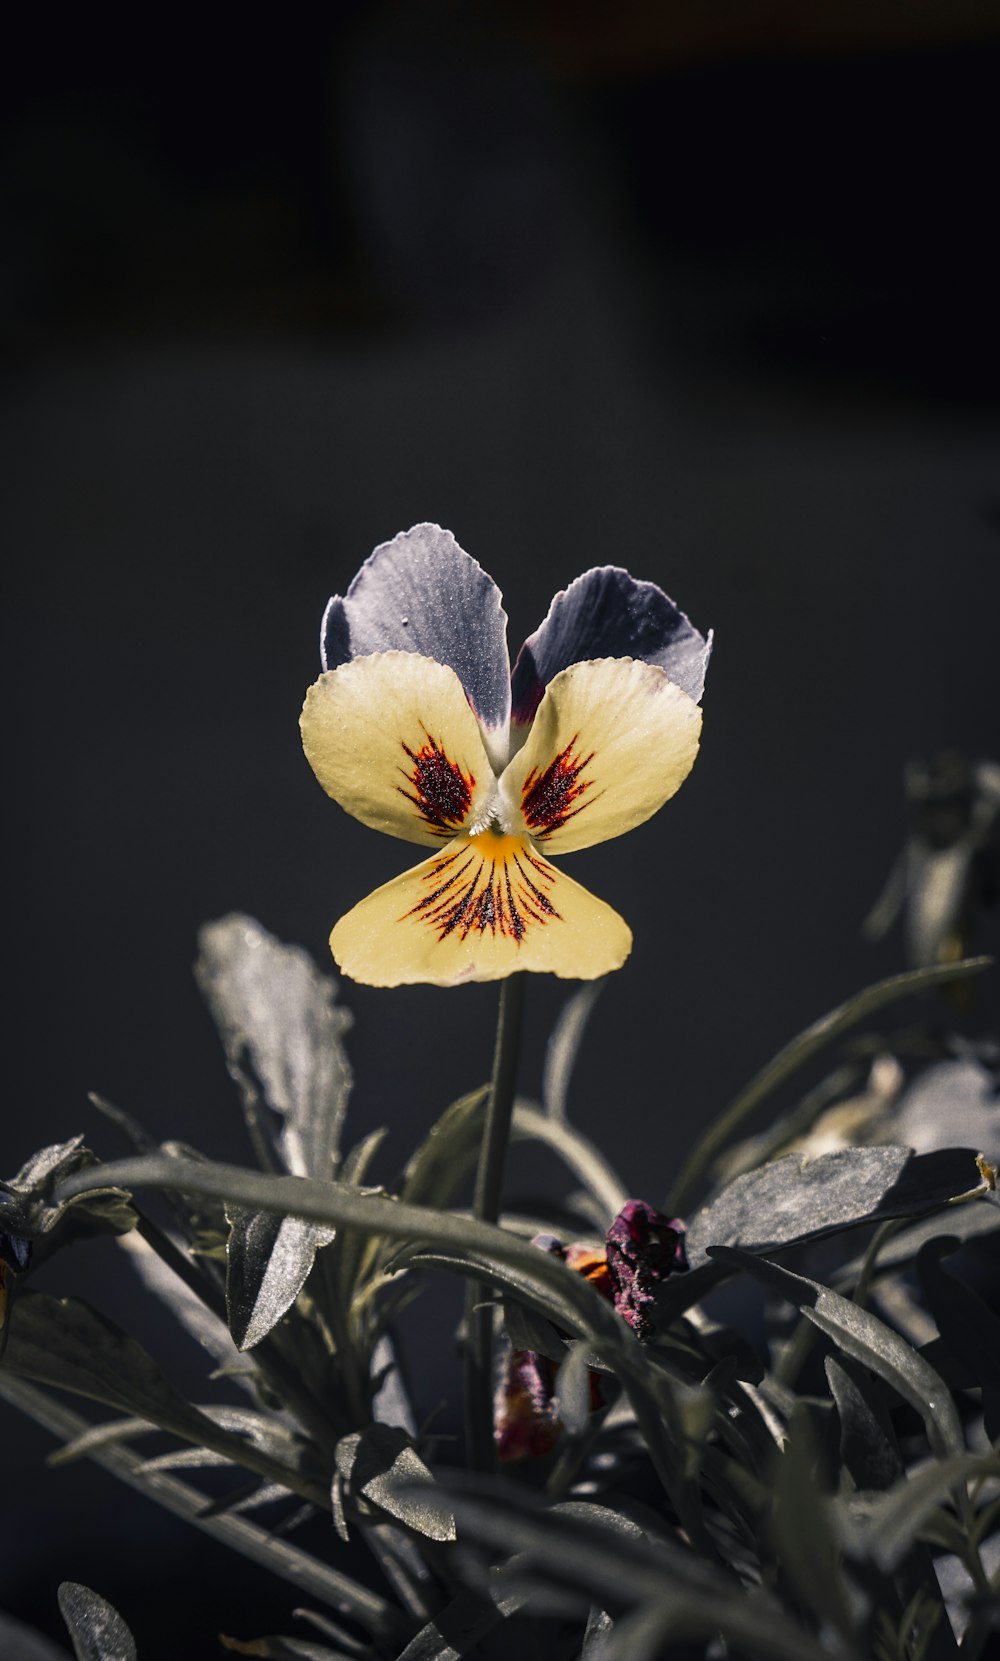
x: 696, y: 1600
x: 339, y: 1204
x: 443, y: 1161
x: 269, y: 1551
x: 100, y: 1436
x: 868, y: 1447
x: 65, y: 1343
x: 564, y: 1047
x: 802, y: 1533
x: 527, y: 1330
x: 97, y: 1630
x: 862, y: 1335
x: 798, y: 1052
x: 62, y: 1341
x: 965, y: 1222
x: 898, y: 1518
x: 578, y: 1154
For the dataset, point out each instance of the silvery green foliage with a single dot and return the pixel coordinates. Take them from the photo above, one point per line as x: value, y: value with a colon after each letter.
x: 825, y: 1488
x: 381, y: 1466
x: 796, y: 1198
x: 30, y: 1209
x: 283, y: 1037
x: 283, y: 1034
x: 97, y: 1630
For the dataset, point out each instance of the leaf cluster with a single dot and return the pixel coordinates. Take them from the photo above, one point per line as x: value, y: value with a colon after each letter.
x: 804, y: 1465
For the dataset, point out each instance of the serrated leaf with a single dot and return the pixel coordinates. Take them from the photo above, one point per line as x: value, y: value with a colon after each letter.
x: 797, y: 1198
x: 380, y: 1464
x: 97, y: 1630
x: 268, y: 1259
x: 33, y: 1218
x: 283, y: 1038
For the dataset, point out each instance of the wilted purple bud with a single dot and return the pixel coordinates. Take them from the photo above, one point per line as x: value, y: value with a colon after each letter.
x: 643, y: 1249
x: 526, y: 1420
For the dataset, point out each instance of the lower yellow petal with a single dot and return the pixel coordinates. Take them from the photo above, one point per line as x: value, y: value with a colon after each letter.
x: 483, y: 908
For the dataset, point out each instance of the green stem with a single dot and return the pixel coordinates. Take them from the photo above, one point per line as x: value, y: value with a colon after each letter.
x: 486, y: 1208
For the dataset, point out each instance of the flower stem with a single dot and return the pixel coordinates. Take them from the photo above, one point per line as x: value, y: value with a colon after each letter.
x: 486, y: 1207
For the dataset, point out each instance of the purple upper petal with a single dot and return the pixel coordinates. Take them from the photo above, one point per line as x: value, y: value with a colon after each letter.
x: 422, y: 593
x: 607, y: 613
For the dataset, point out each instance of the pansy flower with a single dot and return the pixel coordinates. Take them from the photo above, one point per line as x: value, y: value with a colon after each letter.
x: 418, y: 728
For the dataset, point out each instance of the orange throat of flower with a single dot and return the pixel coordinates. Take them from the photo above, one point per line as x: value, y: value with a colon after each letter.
x: 492, y: 882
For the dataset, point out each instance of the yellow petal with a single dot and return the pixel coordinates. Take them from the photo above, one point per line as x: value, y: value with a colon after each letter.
x: 484, y: 907
x: 611, y: 742
x: 391, y: 738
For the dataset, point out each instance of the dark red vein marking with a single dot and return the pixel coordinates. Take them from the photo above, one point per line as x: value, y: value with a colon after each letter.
x: 550, y: 799
x: 441, y: 793
x: 482, y: 894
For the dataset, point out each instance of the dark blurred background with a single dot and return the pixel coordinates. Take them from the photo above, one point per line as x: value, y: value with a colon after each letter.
x: 707, y: 292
